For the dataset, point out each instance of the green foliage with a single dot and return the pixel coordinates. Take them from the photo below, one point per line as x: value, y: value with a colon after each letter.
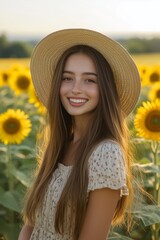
x: 141, y: 45
x: 22, y: 49
x: 17, y: 165
x: 148, y: 214
x: 17, y: 50
x: 10, y: 230
x: 14, y: 49
x: 3, y: 42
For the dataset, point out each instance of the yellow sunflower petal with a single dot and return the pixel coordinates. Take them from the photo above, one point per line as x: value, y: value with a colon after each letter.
x: 144, y: 71
x: 16, y: 67
x: 35, y: 100
x: 154, y: 92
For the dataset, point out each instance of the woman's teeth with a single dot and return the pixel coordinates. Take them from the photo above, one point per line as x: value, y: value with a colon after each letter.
x: 77, y: 100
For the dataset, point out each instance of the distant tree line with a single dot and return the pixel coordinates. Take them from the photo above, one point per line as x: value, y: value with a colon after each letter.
x: 21, y: 49
x: 14, y: 49
x: 141, y: 45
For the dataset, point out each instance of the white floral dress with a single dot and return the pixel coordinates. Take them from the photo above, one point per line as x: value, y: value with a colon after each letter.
x: 106, y: 170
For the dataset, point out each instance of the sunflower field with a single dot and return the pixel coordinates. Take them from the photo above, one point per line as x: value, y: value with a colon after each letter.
x: 22, y: 115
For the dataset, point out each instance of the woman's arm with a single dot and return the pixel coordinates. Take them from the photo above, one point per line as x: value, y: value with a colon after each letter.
x: 99, y: 214
x: 25, y: 232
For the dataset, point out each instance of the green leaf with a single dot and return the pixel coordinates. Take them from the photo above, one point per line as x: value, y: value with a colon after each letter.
x: 144, y: 160
x: 20, y: 155
x: 3, y: 158
x: 117, y: 236
x: 3, y: 149
x: 149, y: 168
x: 9, y: 200
x: 148, y: 214
x: 21, y: 147
x: 22, y: 177
x: 9, y: 231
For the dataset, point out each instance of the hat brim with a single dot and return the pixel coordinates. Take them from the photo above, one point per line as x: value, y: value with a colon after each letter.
x: 47, y: 53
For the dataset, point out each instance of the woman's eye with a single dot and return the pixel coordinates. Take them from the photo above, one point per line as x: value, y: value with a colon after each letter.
x: 90, y: 81
x: 67, y: 79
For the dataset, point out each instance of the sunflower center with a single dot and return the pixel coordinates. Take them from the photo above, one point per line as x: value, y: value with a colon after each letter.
x: 11, y: 125
x: 154, y: 77
x: 158, y: 94
x: 5, y: 77
x: 23, y: 82
x: 153, y: 121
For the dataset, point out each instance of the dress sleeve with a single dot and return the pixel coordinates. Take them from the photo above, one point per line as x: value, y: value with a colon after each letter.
x: 107, y: 168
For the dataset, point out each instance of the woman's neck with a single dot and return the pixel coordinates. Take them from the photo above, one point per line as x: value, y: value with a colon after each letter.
x: 79, y: 127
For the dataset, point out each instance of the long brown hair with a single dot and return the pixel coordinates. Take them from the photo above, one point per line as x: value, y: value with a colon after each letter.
x: 108, y: 122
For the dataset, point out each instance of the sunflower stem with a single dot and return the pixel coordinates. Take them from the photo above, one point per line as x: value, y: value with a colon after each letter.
x: 154, y: 147
x: 10, y: 180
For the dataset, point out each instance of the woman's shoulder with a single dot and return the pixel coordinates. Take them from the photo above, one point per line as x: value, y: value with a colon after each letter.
x: 106, y: 152
x: 107, y: 166
x: 107, y: 145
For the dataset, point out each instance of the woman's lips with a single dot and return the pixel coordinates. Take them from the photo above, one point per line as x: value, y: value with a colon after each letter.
x: 77, y: 101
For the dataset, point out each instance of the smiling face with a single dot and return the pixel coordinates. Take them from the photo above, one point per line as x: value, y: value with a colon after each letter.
x: 79, y: 92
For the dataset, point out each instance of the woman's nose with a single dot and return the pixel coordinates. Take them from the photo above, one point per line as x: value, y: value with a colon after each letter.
x: 76, y: 88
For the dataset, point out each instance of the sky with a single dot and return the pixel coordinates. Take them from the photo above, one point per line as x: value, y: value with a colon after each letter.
x: 112, y: 17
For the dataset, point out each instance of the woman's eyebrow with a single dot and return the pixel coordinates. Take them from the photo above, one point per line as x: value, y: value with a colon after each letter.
x: 85, y: 73
x: 90, y: 73
x: 68, y: 72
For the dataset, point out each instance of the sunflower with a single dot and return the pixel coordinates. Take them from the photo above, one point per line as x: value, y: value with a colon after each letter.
x: 33, y: 98
x: 154, y: 92
x: 144, y: 71
x: 154, y: 75
x: 15, y: 125
x: 147, y: 120
x: 4, y: 77
x: 21, y: 81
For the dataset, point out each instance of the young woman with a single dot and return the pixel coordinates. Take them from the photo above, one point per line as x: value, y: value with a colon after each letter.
x: 89, y: 84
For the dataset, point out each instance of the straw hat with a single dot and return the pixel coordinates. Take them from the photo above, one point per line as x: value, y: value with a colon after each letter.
x: 47, y: 53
